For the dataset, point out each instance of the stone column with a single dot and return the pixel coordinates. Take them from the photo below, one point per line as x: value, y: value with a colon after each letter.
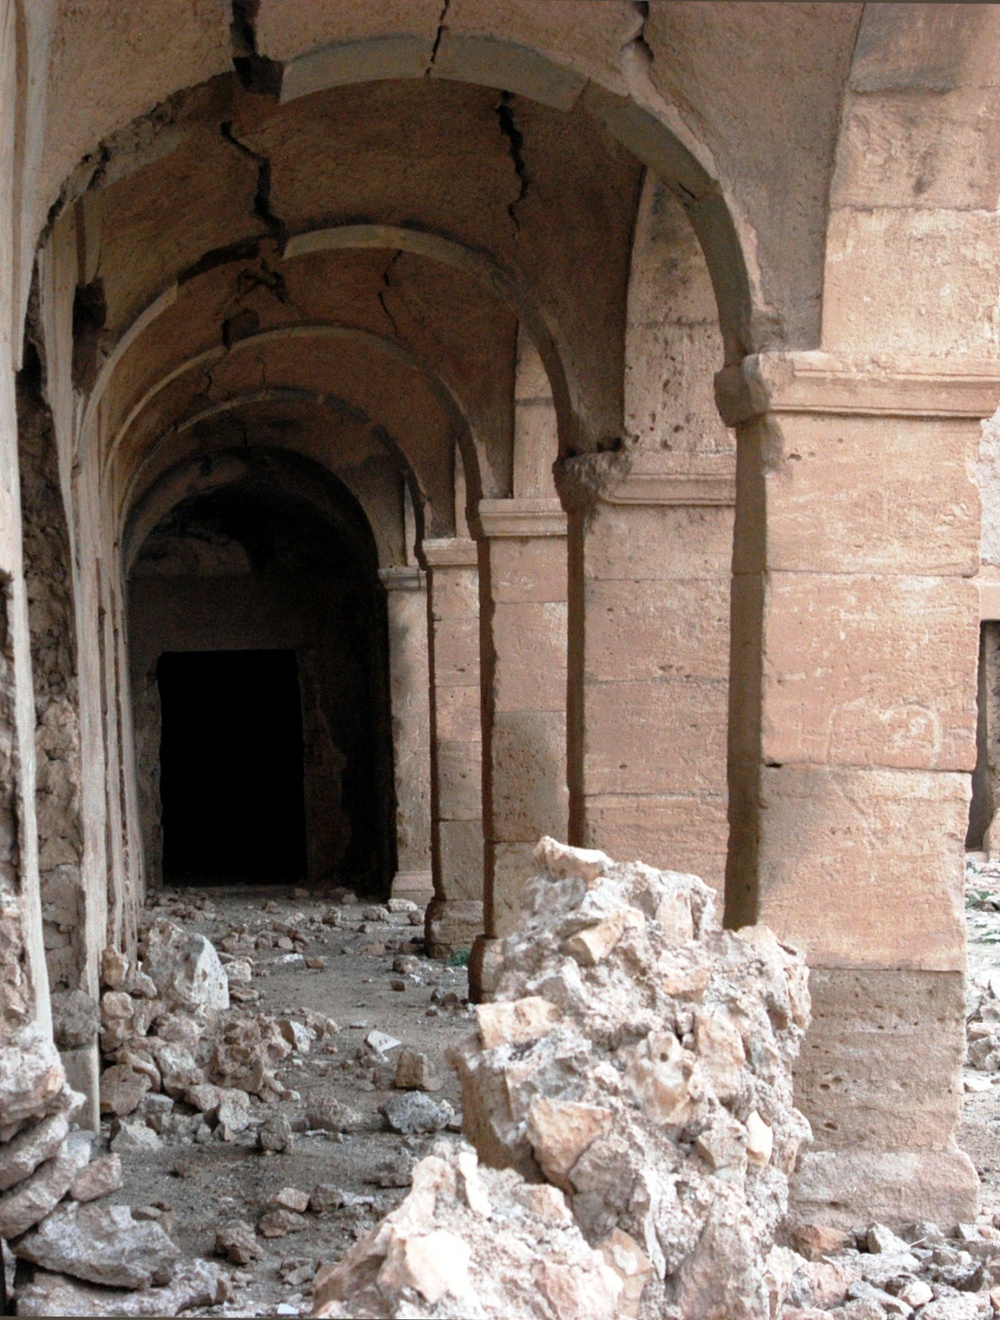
x: 455, y: 914
x: 852, y: 735
x: 653, y: 664
x: 409, y: 681
x: 524, y: 727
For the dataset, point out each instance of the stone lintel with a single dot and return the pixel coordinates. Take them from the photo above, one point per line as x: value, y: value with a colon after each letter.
x: 817, y: 382
x: 451, y: 552
x: 989, y: 593
x: 403, y: 577
x: 522, y: 518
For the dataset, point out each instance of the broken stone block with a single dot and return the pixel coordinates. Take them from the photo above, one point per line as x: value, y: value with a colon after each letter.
x: 31, y: 1075
x: 513, y: 1023
x: 413, y: 1111
x: 76, y: 1019
x: 239, y: 971
x: 279, y: 1223
x: 560, y: 1131
x: 132, y: 1137
x: 101, y: 1177
x: 416, y: 1072
x: 178, y: 1070
x: 114, y: 968
x: 195, y: 1283
x: 32, y: 1199
x: 122, y: 1089
x: 233, y: 1112
x: 100, y: 1244
x: 237, y: 1241
x: 185, y: 968
x: 442, y: 1252
x: 30, y: 1148
x: 276, y: 1135
x: 290, y: 1198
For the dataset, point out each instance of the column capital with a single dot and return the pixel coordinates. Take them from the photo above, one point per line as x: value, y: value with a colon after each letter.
x: 522, y: 518
x: 818, y: 382
x: 403, y: 577
x: 451, y: 552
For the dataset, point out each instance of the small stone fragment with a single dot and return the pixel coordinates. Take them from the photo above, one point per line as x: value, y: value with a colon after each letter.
x: 132, y: 1137
x: 76, y: 1019
x: 416, y: 1072
x: 114, y: 968
x: 276, y: 1135
x: 816, y: 1240
x: 278, y: 1223
x: 413, y: 1111
x: 101, y: 1177
x: 237, y: 1241
x: 325, y: 1197
x: 290, y: 1198
x: 328, y: 1114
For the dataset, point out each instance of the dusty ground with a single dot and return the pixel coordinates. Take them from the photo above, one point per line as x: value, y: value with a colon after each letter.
x: 206, y: 1183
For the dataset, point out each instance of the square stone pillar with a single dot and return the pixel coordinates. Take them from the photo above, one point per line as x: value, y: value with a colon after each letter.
x: 455, y: 914
x: 409, y: 684
x: 852, y: 739
x: 654, y: 664
x: 524, y: 583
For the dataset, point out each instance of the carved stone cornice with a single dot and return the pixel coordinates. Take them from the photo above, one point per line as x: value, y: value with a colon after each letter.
x: 403, y: 577
x: 521, y: 518
x: 815, y: 382
x: 450, y: 552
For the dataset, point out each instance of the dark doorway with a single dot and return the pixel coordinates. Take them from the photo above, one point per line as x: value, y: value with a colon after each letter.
x: 231, y: 781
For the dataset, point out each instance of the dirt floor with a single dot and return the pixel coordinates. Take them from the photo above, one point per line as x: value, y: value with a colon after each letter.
x: 368, y: 974
x: 205, y: 1183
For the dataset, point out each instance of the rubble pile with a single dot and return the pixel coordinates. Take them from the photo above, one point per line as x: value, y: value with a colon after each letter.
x: 636, y: 1061
x: 50, y: 1215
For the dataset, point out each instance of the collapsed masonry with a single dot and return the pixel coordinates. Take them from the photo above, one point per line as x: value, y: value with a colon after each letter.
x: 632, y: 1080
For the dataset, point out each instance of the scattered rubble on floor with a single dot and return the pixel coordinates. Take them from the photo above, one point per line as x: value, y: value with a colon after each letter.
x: 340, y: 1184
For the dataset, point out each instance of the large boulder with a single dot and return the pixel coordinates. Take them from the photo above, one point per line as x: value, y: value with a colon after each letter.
x: 101, y: 1244
x: 31, y: 1076
x: 185, y: 969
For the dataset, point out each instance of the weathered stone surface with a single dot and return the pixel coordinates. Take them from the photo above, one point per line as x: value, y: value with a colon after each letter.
x: 75, y: 1019
x: 101, y: 1244
x: 195, y: 1283
x: 276, y: 1135
x: 237, y: 1241
x: 122, y: 1088
x: 413, y: 1111
x: 596, y: 1094
x: 443, y: 1251
x: 31, y: 1200
x: 31, y: 1075
x: 22, y: 1156
x: 133, y: 1136
x: 101, y: 1177
x: 329, y: 1114
x: 186, y: 969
